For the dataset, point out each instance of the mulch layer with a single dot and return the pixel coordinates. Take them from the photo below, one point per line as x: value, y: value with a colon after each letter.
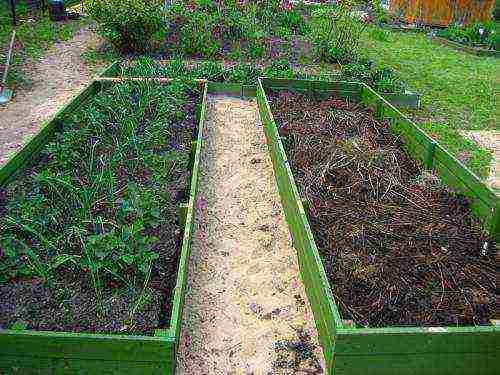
x: 399, y: 248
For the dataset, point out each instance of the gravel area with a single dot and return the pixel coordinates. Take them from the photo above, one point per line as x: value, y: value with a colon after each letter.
x: 246, y: 310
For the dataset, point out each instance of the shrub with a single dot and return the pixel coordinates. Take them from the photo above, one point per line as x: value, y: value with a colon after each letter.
x: 476, y: 34
x: 386, y: 80
x: 213, y: 71
x: 197, y: 36
x: 246, y: 74
x: 279, y: 69
x: 129, y: 25
x: 336, y: 33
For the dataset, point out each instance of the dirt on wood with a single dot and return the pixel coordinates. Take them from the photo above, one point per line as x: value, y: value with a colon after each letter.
x: 397, y: 246
x: 55, y: 78
x: 246, y: 310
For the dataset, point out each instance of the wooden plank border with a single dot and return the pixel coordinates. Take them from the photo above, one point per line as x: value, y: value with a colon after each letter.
x: 391, y: 350
x: 35, y: 352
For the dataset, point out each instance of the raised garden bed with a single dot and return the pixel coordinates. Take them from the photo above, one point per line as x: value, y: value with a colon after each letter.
x: 463, y: 47
x: 375, y: 317
x: 59, y: 318
x: 241, y: 74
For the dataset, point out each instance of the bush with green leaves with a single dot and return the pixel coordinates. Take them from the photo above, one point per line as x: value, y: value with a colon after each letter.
x: 336, y: 33
x: 245, y: 74
x: 480, y: 34
x: 129, y: 25
x: 198, y: 35
x: 279, y: 69
x: 210, y: 70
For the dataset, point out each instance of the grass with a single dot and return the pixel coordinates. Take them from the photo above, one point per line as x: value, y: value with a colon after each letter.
x: 32, y: 39
x: 458, y: 89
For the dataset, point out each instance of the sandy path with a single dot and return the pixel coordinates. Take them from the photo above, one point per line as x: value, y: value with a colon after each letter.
x: 56, y: 78
x: 246, y: 309
x: 490, y: 140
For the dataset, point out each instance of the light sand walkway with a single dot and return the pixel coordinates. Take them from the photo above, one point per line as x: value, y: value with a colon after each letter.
x: 246, y: 309
x: 490, y: 140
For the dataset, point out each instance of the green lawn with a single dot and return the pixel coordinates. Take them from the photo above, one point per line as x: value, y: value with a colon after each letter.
x: 458, y: 89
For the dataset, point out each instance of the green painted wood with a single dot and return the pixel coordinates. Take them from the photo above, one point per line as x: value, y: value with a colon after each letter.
x: 249, y: 91
x: 406, y: 100
x: 183, y: 212
x: 111, y: 70
x: 183, y: 268
x: 83, y: 346
x: 225, y: 88
x: 429, y: 156
x: 469, y: 180
x: 28, y: 365
x: 312, y: 273
x: 34, y: 144
x: 495, y: 223
x: 418, y: 364
x: 417, y: 340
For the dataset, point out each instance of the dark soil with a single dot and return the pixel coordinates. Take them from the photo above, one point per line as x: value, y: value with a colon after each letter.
x: 68, y: 301
x: 398, y: 248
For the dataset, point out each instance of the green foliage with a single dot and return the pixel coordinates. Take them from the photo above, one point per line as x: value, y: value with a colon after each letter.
x: 210, y: 70
x: 386, y: 80
x: 245, y: 74
x: 336, y: 33
x: 198, y: 35
x: 357, y: 71
x: 129, y: 25
x: 105, y: 191
x: 458, y: 90
x: 279, y: 69
x: 476, y: 34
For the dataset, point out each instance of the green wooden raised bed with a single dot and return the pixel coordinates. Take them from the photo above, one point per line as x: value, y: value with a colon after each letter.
x: 392, y: 350
x: 34, y: 352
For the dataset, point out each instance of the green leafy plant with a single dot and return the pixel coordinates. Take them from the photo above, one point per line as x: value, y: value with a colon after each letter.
x: 279, y: 69
x: 198, y: 35
x: 336, y: 33
x: 477, y: 34
x: 129, y: 25
x: 210, y: 70
x: 245, y: 74
x: 386, y: 80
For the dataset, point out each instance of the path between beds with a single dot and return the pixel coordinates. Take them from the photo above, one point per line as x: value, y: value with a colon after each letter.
x: 246, y: 310
x: 55, y: 78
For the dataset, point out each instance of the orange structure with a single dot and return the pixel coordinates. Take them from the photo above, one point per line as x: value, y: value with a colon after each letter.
x: 443, y: 12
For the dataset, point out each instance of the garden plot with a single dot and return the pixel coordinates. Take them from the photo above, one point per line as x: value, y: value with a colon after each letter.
x: 399, y: 269
x: 93, y: 228
x: 399, y: 248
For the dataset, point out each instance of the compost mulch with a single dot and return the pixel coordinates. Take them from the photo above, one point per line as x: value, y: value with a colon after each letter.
x: 399, y: 248
x: 68, y: 302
